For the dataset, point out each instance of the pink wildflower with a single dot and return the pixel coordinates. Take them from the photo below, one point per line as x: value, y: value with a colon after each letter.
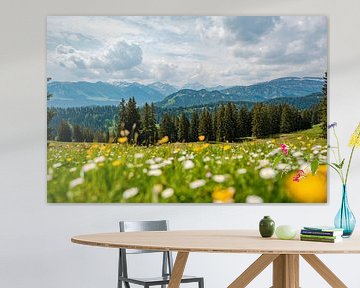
x: 299, y: 174
x: 284, y: 149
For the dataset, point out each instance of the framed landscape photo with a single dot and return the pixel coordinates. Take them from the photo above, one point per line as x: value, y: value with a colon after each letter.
x: 184, y: 109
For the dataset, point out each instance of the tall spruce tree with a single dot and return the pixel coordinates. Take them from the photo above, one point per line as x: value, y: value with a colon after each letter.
x: 132, y: 122
x: 64, y: 132
x: 230, y: 122
x: 205, y: 124
x: 194, y: 127
x: 287, y: 119
x: 145, y: 133
x: 153, y: 127
x: 243, y: 123
x: 121, y: 117
x: 260, y: 121
x: 183, y: 128
x: 220, y: 124
x: 50, y: 115
x: 167, y: 127
x: 78, y: 135
x: 323, y: 108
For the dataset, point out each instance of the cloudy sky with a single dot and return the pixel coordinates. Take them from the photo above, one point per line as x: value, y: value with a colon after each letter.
x: 178, y: 50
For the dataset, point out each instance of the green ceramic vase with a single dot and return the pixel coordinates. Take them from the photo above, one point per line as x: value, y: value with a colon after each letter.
x: 266, y: 227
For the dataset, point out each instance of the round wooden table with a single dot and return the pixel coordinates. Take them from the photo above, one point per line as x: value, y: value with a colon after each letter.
x: 284, y: 254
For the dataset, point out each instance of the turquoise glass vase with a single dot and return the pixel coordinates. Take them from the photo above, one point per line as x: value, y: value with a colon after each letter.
x: 345, y: 219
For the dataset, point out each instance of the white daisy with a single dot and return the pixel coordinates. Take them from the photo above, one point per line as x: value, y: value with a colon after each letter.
x: 129, y: 193
x: 188, y: 164
x: 241, y: 171
x: 167, y: 193
x: 219, y: 178
x: 156, y: 172
x: 267, y: 173
x: 197, y: 183
x: 253, y: 199
x: 76, y: 182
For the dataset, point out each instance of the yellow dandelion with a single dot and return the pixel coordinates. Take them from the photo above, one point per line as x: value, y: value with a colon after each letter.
x: 299, y: 138
x: 355, y: 138
x: 69, y: 159
x: 122, y: 140
x: 116, y: 163
x: 310, y: 189
x: 201, y: 137
x: 164, y: 140
x: 223, y: 195
x: 226, y: 147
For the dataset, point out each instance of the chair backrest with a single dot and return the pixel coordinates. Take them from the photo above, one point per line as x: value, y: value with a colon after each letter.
x: 137, y: 226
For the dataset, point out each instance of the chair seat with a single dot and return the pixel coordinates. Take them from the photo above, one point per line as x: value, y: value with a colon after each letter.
x: 158, y: 280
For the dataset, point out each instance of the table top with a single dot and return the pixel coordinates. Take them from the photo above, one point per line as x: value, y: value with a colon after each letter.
x: 216, y: 241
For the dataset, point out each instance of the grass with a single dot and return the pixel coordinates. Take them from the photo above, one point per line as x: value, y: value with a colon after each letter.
x: 178, y: 172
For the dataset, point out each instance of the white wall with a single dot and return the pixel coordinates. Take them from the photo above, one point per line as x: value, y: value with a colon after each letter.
x: 35, y: 248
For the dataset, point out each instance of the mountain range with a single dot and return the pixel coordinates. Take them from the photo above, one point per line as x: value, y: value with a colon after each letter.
x: 76, y: 94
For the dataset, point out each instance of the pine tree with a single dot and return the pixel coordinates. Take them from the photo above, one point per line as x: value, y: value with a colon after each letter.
x: 275, y: 118
x: 260, y: 121
x: 78, y: 135
x: 184, y: 127
x: 205, y: 124
x: 323, y: 109
x: 167, y: 127
x: 230, y: 122
x: 64, y: 132
x: 287, y: 119
x: 50, y: 115
x: 243, y: 123
x: 145, y: 134
x: 152, y: 125
x: 121, y: 117
x: 194, y: 127
x: 220, y: 124
x: 132, y: 121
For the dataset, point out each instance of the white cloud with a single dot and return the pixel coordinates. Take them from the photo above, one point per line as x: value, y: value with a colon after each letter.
x: 179, y: 49
x: 112, y: 58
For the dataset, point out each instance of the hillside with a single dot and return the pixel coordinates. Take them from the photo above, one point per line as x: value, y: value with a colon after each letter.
x: 275, y: 89
x: 76, y: 94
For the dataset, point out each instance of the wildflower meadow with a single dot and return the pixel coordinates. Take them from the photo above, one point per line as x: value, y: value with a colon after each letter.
x: 197, y: 172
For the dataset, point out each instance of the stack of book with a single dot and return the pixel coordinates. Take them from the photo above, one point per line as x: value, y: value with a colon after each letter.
x: 321, y: 234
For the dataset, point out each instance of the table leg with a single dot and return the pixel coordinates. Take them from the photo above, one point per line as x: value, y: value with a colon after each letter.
x: 253, y: 270
x: 286, y: 271
x: 324, y: 271
x: 178, y: 269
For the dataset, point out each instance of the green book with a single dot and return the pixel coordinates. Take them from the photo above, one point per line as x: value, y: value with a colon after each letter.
x: 319, y: 236
x: 324, y: 229
x: 325, y: 240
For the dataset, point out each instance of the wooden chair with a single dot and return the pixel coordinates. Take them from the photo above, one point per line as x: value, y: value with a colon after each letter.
x: 167, y: 262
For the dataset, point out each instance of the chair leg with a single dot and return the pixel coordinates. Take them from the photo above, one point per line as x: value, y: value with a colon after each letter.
x: 201, y: 283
